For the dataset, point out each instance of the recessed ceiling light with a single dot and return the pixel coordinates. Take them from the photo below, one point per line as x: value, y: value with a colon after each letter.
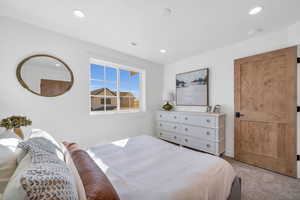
x: 255, y: 10
x: 57, y: 65
x: 163, y: 51
x: 78, y: 14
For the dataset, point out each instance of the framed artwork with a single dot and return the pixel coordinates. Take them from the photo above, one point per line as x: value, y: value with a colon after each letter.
x: 192, y: 88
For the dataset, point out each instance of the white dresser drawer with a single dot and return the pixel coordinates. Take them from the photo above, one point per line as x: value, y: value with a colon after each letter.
x: 202, y: 145
x: 162, y: 116
x: 200, y: 132
x: 169, y: 126
x: 208, y: 121
x: 173, y: 137
x: 168, y: 116
x: 205, y: 121
x: 173, y: 117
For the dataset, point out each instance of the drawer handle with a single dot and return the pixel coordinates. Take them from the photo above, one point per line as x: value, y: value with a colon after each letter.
x: 186, y: 129
x: 175, y: 117
x: 175, y: 137
x: 186, y: 118
x: 208, y: 120
x: 160, y: 116
x: 208, y: 145
x: 175, y: 127
x: 160, y: 134
x: 207, y: 133
x: 160, y: 125
x: 186, y: 140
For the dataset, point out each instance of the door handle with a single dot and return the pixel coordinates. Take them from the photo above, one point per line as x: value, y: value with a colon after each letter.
x: 238, y: 115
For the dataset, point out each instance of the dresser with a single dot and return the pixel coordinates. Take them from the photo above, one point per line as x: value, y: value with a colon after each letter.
x: 197, y: 130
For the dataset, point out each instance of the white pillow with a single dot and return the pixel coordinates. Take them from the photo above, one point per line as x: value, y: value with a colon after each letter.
x: 8, y: 156
x: 15, y: 191
x: 27, y: 131
x: 14, y: 188
x: 32, y: 133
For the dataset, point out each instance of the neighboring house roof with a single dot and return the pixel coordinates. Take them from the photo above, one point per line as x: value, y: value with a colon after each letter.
x: 123, y: 94
x: 100, y: 91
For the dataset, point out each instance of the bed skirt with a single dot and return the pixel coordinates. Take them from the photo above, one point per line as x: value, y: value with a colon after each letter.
x: 236, y: 189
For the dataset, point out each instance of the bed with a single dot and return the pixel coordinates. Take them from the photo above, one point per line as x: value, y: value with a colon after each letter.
x: 148, y: 168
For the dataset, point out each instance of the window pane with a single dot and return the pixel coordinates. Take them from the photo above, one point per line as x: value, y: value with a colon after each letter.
x: 111, y: 88
x: 105, y: 85
x: 97, y: 72
x: 124, y: 75
x: 124, y: 87
x: 125, y: 103
x: 134, y: 81
x: 96, y: 87
x: 111, y: 74
x: 135, y: 104
x: 136, y: 94
x: 97, y: 103
x: 111, y: 103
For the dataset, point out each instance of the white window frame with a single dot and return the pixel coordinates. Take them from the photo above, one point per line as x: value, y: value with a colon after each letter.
x: 142, y: 85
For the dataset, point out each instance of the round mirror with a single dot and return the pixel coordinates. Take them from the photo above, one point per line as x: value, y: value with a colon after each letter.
x: 45, y: 75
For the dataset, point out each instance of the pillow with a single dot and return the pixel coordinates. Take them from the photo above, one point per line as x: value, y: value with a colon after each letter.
x: 27, y: 131
x: 41, y: 174
x: 72, y: 167
x: 8, y: 156
x: 14, y: 189
x: 71, y: 146
x: 9, y: 134
x: 97, y: 186
x: 37, y: 133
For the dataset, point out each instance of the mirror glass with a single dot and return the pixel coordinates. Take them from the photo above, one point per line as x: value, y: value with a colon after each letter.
x: 45, y: 75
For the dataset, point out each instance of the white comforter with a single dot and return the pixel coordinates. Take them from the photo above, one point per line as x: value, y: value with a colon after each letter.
x: 146, y: 168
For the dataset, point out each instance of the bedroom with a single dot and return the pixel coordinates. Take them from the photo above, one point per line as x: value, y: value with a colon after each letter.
x: 154, y: 42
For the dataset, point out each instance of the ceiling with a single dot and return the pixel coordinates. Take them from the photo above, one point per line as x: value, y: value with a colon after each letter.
x: 194, y: 26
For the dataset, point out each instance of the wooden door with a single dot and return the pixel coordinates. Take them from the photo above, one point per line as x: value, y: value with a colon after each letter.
x: 265, y: 106
x: 53, y: 87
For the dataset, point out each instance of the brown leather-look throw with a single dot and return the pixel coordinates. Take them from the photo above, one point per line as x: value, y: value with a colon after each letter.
x: 97, y: 186
x: 71, y: 146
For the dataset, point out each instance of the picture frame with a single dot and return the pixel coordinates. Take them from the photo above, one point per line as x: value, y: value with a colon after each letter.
x: 192, y: 88
x: 217, y: 109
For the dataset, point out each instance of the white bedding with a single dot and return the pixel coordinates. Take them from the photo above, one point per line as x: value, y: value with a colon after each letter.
x: 146, y: 168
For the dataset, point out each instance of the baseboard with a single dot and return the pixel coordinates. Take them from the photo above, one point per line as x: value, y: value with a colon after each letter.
x: 229, y: 153
x: 147, y: 132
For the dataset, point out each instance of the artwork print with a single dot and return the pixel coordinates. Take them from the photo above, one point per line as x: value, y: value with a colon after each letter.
x: 192, y: 88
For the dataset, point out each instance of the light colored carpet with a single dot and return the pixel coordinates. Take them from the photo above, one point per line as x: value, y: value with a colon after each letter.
x: 260, y: 184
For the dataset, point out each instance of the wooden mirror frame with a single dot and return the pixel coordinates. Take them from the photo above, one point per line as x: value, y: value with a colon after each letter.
x: 24, y: 85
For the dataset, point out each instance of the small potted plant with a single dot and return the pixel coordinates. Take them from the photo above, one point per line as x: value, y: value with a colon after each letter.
x: 15, y: 123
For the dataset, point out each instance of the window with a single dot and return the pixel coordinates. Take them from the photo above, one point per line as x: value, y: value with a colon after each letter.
x: 115, y: 88
x: 108, y: 101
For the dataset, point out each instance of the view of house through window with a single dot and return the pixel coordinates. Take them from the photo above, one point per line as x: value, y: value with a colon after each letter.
x: 113, y: 88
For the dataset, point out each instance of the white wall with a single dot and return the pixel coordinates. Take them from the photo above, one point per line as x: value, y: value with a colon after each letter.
x: 221, y: 64
x: 67, y: 117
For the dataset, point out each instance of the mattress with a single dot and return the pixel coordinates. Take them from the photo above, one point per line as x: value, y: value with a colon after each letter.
x: 148, y: 168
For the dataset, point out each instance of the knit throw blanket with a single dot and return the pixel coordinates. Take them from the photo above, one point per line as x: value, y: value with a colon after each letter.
x: 48, y: 177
